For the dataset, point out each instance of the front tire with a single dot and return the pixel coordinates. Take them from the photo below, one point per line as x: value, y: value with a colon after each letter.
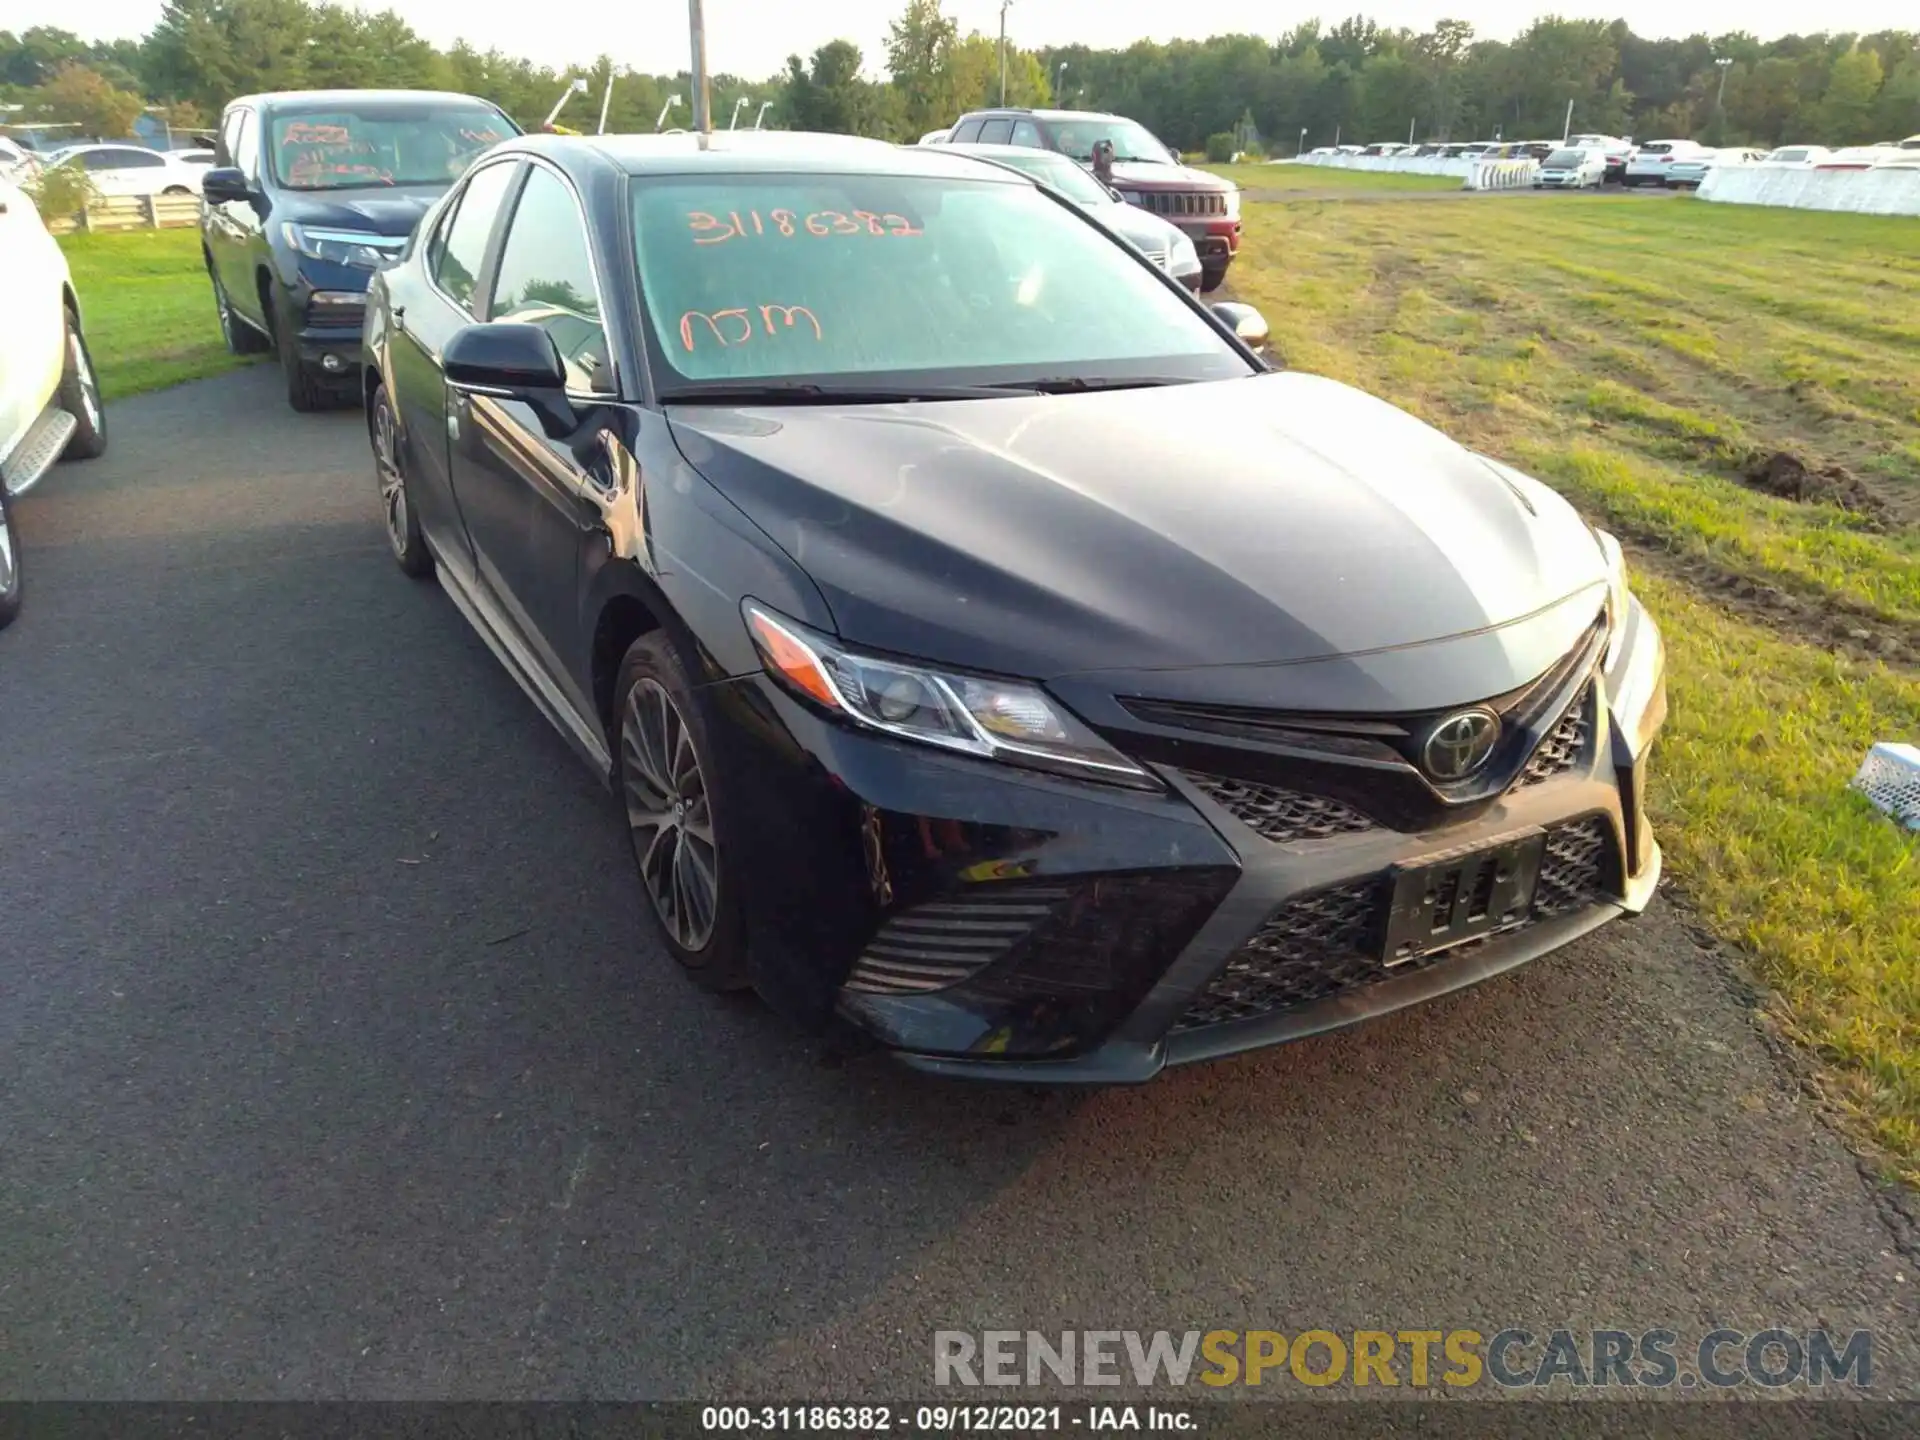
x: 409, y: 546
x: 677, y: 814
x: 241, y: 338
x: 1211, y: 280
x: 80, y: 397
x: 304, y: 391
x: 10, y: 582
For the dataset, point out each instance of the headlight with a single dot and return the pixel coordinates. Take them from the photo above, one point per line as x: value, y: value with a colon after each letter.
x: 1636, y: 660
x: 1617, y: 594
x: 974, y: 714
x: 360, y: 248
x: 1233, y: 205
x: 1182, y: 258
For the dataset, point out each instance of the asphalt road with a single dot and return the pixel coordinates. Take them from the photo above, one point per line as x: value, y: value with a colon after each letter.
x: 338, y: 1060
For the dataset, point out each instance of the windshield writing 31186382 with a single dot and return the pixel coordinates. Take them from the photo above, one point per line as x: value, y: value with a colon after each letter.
x: 711, y: 229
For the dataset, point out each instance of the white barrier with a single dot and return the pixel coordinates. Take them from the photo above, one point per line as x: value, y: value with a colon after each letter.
x: 1867, y: 192
x: 1387, y: 164
x: 1502, y: 174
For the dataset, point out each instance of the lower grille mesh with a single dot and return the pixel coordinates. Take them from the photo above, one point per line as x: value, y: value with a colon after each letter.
x: 1327, y: 942
x: 1278, y: 814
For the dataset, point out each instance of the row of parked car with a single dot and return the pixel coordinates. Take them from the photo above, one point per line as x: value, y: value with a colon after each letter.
x: 115, y: 169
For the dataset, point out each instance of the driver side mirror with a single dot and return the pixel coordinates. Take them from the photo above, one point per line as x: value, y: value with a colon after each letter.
x: 223, y: 183
x: 1247, y: 323
x: 1114, y: 191
x: 512, y: 361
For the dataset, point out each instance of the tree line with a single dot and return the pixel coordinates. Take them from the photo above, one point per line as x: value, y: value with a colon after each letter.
x: 1356, y: 80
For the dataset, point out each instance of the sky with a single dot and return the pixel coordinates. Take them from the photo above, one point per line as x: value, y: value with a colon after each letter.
x: 753, y: 37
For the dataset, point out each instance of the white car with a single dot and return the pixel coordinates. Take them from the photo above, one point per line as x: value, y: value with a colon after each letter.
x: 1572, y: 167
x: 936, y: 137
x: 1649, y: 163
x: 16, y: 162
x: 49, y: 401
x: 132, y: 170
x: 200, y: 158
x: 1801, y: 155
x: 1688, y: 171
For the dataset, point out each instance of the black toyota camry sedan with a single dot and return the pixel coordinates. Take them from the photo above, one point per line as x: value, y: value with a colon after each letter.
x: 988, y: 648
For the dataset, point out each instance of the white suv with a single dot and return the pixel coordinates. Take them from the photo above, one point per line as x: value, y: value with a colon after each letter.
x: 49, y: 400
x: 1649, y: 164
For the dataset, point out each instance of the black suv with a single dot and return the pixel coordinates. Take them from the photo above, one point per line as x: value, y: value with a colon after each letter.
x: 1145, y: 172
x: 311, y: 192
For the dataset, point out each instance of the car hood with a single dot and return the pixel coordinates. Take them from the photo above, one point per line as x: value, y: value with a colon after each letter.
x: 1145, y: 175
x: 1279, y: 518
x: 389, y: 210
x: 1147, y: 232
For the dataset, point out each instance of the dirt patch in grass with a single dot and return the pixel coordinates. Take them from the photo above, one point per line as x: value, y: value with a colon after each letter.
x: 1778, y: 472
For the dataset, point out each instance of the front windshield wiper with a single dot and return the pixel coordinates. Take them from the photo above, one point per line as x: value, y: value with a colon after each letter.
x: 807, y: 392
x: 1080, y: 384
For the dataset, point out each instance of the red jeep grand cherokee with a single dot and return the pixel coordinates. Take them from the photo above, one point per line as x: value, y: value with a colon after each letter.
x: 1145, y: 172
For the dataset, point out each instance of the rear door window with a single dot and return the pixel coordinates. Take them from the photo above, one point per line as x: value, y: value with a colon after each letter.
x: 967, y: 132
x: 1025, y: 132
x: 996, y: 132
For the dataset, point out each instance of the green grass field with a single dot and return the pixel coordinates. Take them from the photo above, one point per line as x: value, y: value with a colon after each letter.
x: 148, y: 308
x: 1259, y: 178
x: 1650, y: 359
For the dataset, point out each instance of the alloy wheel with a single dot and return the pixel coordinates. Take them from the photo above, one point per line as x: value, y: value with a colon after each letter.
x: 83, y: 372
x: 393, y: 486
x: 6, y: 554
x: 669, y: 812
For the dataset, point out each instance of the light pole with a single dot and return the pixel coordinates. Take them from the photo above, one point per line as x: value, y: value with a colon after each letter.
x: 702, y: 94
x: 1301, y: 148
x: 765, y: 105
x: 606, y: 99
x: 1003, y: 48
x: 661, y: 118
x: 574, y: 87
x: 735, y: 118
x: 1720, y: 100
x: 1060, y: 80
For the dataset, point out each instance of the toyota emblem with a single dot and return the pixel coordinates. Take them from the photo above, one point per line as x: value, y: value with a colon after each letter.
x: 1460, y: 744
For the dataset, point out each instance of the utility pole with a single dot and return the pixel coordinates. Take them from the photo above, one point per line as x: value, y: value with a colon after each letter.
x: 1003, y: 48
x: 702, y: 92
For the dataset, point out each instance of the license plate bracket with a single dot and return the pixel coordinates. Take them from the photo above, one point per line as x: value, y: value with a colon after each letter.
x: 1451, y: 899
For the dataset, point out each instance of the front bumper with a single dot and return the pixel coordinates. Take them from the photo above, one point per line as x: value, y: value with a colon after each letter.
x: 325, y: 306
x: 991, y: 923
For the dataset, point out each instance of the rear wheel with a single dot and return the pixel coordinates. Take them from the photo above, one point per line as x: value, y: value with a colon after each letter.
x: 396, y: 500
x: 9, y: 565
x: 80, y: 397
x: 677, y: 814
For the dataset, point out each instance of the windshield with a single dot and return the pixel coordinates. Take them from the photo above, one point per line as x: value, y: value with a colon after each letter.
x: 890, y: 278
x: 1130, y: 141
x: 358, y: 144
x: 1058, y: 172
x: 1566, y: 157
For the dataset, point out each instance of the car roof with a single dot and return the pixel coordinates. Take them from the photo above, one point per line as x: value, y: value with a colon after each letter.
x: 1012, y: 110
x: 754, y: 152
x: 423, y: 98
